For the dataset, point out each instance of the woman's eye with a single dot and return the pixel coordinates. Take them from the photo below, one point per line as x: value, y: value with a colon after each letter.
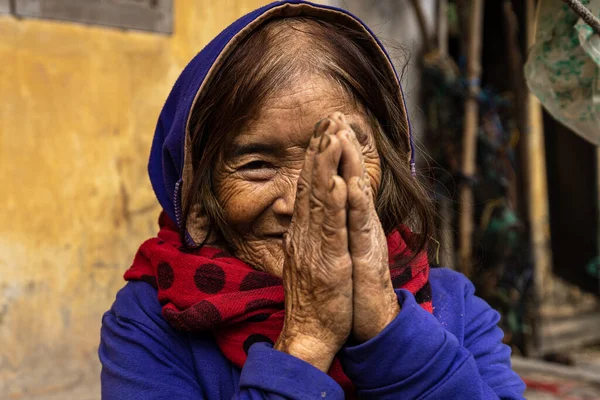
x: 256, y: 165
x: 258, y: 170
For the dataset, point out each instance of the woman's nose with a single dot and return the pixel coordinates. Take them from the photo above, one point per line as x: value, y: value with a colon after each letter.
x: 284, y: 203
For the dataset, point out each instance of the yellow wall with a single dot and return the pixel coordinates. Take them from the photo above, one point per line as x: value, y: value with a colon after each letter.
x: 78, y: 106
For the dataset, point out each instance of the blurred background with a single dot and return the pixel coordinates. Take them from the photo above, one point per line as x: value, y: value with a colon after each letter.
x: 507, y: 127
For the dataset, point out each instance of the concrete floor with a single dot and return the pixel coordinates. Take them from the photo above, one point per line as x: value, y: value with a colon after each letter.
x: 551, y: 386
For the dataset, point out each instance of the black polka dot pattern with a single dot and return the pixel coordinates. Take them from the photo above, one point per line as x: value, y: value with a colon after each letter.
x: 165, y: 275
x: 210, y: 278
x: 258, y: 280
x: 260, y: 304
x: 171, y: 316
x: 256, y: 338
x: 160, y: 242
x: 203, y: 315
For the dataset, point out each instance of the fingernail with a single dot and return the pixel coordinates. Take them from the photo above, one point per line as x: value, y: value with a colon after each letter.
x: 321, y: 127
x: 331, y: 184
x: 325, y: 140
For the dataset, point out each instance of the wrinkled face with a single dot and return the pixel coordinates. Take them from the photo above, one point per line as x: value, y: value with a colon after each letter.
x: 255, y: 181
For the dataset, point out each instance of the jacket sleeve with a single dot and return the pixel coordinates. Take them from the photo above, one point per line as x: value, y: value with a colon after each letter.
x: 140, y: 361
x: 414, y: 357
x: 269, y: 373
x: 144, y: 358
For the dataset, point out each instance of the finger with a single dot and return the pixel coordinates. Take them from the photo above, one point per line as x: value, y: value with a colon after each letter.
x: 325, y: 166
x: 351, y: 163
x: 344, y: 124
x: 360, y: 226
x: 301, y: 210
x: 353, y: 136
x: 334, y: 233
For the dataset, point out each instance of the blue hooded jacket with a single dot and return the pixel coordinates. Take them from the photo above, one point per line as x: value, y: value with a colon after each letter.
x: 456, y: 353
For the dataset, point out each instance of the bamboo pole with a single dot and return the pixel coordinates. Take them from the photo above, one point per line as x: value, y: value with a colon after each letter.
x: 536, y: 183
x: 536, y: 177
x: 471, y: 128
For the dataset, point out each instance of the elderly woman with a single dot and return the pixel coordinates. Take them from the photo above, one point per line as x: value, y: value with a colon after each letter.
x: 284, y: 266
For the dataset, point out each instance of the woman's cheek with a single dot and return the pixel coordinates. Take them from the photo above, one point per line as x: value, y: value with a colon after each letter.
x: 242, y: 201
x: 373, y: 167
x: 374, y: 173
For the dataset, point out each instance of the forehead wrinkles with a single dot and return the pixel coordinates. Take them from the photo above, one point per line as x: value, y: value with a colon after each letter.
x: 308, y: 93
x: 294, y: 111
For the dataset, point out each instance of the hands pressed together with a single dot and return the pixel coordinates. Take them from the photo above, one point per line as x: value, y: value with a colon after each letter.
x: 336, y: 275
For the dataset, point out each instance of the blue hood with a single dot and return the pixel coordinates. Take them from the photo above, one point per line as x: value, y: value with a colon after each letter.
x: 170, y: 167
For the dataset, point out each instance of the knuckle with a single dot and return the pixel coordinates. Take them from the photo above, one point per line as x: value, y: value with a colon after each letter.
x: 333, y: 208
x: 359, y: 205
x: 315, y: 204
x: 364, y: 229
x: 329, y: 230
x: 363, y: 205
x: 302, y: 187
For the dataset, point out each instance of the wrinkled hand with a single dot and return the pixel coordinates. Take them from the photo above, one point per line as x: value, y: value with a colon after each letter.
x: 336, y: 275
x: 375, y: 303
x: 317, y: 272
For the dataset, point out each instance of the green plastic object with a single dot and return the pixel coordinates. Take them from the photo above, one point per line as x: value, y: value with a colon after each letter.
x: 563, y: 67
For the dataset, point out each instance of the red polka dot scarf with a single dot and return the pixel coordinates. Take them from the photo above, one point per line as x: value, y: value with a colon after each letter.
x: 210, y: 290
